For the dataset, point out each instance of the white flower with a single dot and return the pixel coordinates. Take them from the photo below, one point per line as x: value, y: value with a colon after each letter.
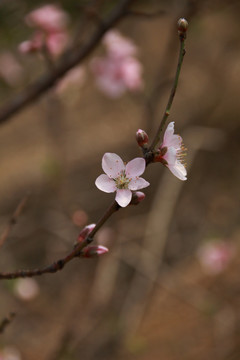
x: 120, y: 178
x: 172, y: 152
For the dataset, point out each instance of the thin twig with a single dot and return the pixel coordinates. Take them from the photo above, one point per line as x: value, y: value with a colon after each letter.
x: 6, y: 321
x: 70, y: 59
x: 13, y: 219
x: 59, y: 264
x: 172, y: 94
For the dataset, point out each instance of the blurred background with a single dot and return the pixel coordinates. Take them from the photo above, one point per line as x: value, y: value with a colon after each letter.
x: 169, y: 286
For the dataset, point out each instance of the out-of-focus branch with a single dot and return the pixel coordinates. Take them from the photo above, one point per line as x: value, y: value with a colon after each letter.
x: 71, y: 58
x: 13, y: 219
x: 6, y: 321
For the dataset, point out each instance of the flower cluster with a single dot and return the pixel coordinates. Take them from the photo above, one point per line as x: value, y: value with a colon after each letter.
x: 119, y: 70
x: 50, y: 23
x: 172, y: 152
x: 121, y: 178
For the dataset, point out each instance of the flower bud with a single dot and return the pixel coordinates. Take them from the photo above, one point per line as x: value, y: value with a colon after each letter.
x: 137, y: 197
x: 93, y: 251
x: 85, y: 232
x: 182, y: 26
x: 141, y: 137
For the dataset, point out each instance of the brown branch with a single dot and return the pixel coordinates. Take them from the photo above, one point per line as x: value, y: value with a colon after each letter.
x: 13, y: 219
x: 59, y: 264
x: 70, y: 59
x: 6, y: 321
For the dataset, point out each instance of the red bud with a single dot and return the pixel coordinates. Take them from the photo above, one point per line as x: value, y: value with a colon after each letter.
x: 93, y: 251
x: 137, y: 197
x: 85, y: 232
x: 141, y: 137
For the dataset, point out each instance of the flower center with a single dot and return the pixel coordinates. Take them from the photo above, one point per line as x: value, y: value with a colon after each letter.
x: 181, y: 155
x: 122, y: 181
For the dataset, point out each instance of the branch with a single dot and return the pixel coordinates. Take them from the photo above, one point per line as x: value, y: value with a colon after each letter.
x: 70, y: 59
x: 6, y: 321
x: 13, y: 219
x: 59, y: 264
x: 182, y: 37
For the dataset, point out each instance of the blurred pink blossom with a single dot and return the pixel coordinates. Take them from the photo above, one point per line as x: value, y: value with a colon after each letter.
x: 79, y: 217
x: 120, y: 178
x: 50, y: 23
x: 116, y: 75
x: 118, y: 45
x: 119, y: 70
x: 49, y: 18
x: 10, y: 69
x: 26, y: 289
x: 172, y: 152
x: 215, y: 256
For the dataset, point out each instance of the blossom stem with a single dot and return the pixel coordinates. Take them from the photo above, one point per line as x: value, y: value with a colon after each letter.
x: 172, y: 94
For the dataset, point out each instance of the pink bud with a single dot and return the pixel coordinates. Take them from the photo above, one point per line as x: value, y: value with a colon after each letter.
x: 141, y: 137
x: 137, y: 197
x: 85, y: 232
x: 93, y: 251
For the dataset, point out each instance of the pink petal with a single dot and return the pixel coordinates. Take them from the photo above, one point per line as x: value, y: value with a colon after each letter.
x: 135, y: 167
x: 178, y: 170
x: 170, y: 139
x: 137, y: 184
x: 123, y: 197
x: 104, y: 183
x: 112, y: 165
x: 171, y: 156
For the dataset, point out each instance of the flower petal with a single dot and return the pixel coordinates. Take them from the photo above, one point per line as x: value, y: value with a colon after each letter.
x: 171, y: 156
x: 178, y: 170
x: 112, y: 165
x: 168, y: 133
x: 135, y: 167
x: 138, y: 183
x: 170, y: 139
x: 104, y: 183
x: 123, y: 197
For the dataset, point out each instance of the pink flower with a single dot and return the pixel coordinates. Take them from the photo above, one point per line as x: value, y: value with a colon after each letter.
x: 215, y: 256
x: 55, y: 43
x: 116, y: 75
x: 120, y: 178
x: 118, y: 45
x: 49, y: 18
x: 172, y: 152
x: 50, y: 23
x: 119, y: 70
